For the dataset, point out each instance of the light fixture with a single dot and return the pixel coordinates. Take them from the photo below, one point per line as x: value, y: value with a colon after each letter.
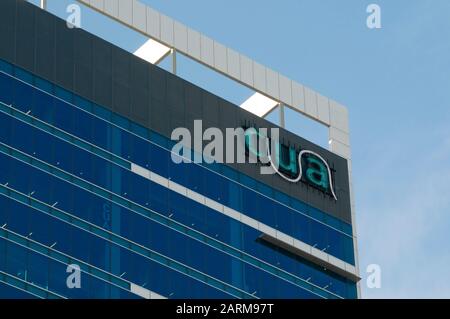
x: 152, y: 51
x: 259, y: 104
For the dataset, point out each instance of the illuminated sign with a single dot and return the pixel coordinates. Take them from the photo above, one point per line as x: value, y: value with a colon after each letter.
x: 293, y: 166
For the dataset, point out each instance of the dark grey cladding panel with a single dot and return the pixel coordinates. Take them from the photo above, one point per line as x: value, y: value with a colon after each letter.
x: 83, y: 65
x: 84, y: 81
x: 159, y: 117
x: 193, y: 99
x: 140, y: 105
x: 83, y: 49
x: 114, y: 78
x: 64, y: 56
x: 102, y: 56
x: 102, y: 91
x: 140, y: 73
x: 157, y: 83
x: 121, y: 67
x: 8, y: 29
x: 25, y: 36
x: 210, y: 110
x: 121, y: 98
x: 175, y: 94
x: 45, y: 46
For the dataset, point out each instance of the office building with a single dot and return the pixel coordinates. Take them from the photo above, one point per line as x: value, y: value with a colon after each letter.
x: 87, y: 179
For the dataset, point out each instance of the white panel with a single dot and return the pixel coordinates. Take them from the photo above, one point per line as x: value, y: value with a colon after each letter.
x: 112, y: 8
x: 154, y: 295
x: 199, y: 198
x: 267, y: 230
x: 336, y: 262
x: 285, y: 238
x: 285, y: 89
x: 207, y: 50
x: 338, y: 116
x: 140, y: 291
x: 220, y: 57
x: 140, y: 171
x: 180, y: 34
x: 213, y: 204
x: 319, y: 254
x: 259, y: 77
x: 98, y: 4
x: 246, y: 70
x: 194, y: 44
x: 302, y: 246
x: 298, y: 96
x: 350, y: 268
x: 310, y: 102
x: 139, y: 16
x: 232, y: 213
x: 167, y: 30
x: 272, y: 84
x: 153, y: 23
x: 144, y: 293
x: 233, y: 64
x: 249, y: 221
x: 125, y: 11
x: 158, y: 179
x: 338, y: 135
x: 177, y: 188
x: 340, y: 149
x: 152, y: 51
x: 323, y: 109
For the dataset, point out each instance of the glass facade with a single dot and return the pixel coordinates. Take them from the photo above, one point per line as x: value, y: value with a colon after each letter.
x: 68, y: 196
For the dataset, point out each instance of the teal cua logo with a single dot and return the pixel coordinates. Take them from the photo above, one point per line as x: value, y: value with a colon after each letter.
x: 292, y: 165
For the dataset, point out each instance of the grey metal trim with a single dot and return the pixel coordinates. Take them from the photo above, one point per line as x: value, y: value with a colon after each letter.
x: 145, y: 293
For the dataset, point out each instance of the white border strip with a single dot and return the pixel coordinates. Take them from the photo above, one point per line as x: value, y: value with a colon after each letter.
x: 145, y: 293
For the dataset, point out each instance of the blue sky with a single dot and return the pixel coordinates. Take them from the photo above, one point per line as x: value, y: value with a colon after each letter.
x: 395, y: 82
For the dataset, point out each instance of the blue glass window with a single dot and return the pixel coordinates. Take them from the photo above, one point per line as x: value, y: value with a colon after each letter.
x: 43, y: 147
x: 21, y: 137
x: 16, y: 261
x: 43, y: 107
x: 43, y: 85
x: 6, y: 67
x: 5, y: 128
x: 83, y: 125
x: 63, y: 94
x: 83, y: 103
x: 6, y: 89
x: 23, y: 96
x: 64, y: 115
x: 38, y: 269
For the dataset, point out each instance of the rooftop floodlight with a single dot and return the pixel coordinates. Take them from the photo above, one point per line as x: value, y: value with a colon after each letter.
x: 152, y: 51
x: 259, y: 104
